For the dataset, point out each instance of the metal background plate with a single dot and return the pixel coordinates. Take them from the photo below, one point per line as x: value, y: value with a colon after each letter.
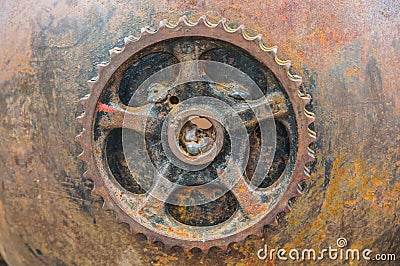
x: 348, y: 54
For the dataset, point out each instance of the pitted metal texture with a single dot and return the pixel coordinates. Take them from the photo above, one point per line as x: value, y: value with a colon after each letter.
x: 195, y: 134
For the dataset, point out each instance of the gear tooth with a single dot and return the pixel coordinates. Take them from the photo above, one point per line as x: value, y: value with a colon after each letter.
x: 88, y: 174
x: 264, y: 46
x: 274, y: 50
x: 288, y: 208
x: 81, y: 118
x: 204, y: 249
x: 234, y: 245
x: 309, y: 115
x: 275, y: 221
x: 183, y: 19
x: 163, y: 23
x: 101, y: 66
x: 105, y: 206
x: 145, y: 30
x: 203, y: 19
x: 287, y: 65
x: 91, y: 82
x: 167, y: 247
x: 241, y: 30
x: 258, y: 234
x: 255, y: 235
x: 299, y: 190
x: 260, y: 41
x: 298, y: 82
x: 312, y: 134
x: 130, y: 39
x: 100, y: 191
x: 84, y: 99
x: 133, y: 230
x: 222, y: 22
x: 293, y: 194
x: 310, y: 119
x: 127, y: 41
x: 81, y: 136
x: 115, y: 51
x: 307, y: 171
x: 311, y: 153
x: 185, y: 248
x: 224, y: 247
x: 83, y: 156
x: 285, y: 207
x: 151, y: 239
x: 306, y: 98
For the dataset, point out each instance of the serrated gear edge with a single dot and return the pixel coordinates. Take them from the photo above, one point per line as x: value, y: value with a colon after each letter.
x: 84, y: 138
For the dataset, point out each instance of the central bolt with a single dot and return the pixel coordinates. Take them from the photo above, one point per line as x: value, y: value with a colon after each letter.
x: 197, y: 136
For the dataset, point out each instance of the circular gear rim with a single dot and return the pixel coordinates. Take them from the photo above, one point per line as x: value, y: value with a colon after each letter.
x: 268, y: 56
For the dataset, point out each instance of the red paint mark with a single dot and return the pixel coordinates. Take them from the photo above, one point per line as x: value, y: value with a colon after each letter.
x: 105, y: 108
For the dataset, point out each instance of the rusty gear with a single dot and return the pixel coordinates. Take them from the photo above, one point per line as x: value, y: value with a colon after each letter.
x: 93, y: 142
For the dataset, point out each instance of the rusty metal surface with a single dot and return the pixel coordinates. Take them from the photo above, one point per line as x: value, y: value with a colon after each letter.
x: 147, y: 213
x: 348, y: 54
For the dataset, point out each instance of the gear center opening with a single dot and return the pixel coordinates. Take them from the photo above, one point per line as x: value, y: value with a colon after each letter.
x: 197, y: 136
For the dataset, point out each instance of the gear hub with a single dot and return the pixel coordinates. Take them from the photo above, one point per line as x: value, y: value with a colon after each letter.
x: 196, y: 134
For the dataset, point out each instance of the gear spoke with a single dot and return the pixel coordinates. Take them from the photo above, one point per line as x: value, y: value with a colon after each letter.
x: 249, y: 200
x: 122, y: 116
x: 188, y: 53
x: 158, y: 193
x: 189, y: 50
x: 152, y: 208
x: 273, y: 106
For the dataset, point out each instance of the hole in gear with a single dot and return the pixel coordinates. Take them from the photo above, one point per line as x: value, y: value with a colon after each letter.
x: 281, y: 156
x: 243, y: 61
x: 117, y: 163
x: 208, y: 214
x: 174, y: 100
x: 197, y: 136
x: 141, y: 70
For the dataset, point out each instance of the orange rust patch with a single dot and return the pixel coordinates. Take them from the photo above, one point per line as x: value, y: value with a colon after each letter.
x: 105, y: 108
